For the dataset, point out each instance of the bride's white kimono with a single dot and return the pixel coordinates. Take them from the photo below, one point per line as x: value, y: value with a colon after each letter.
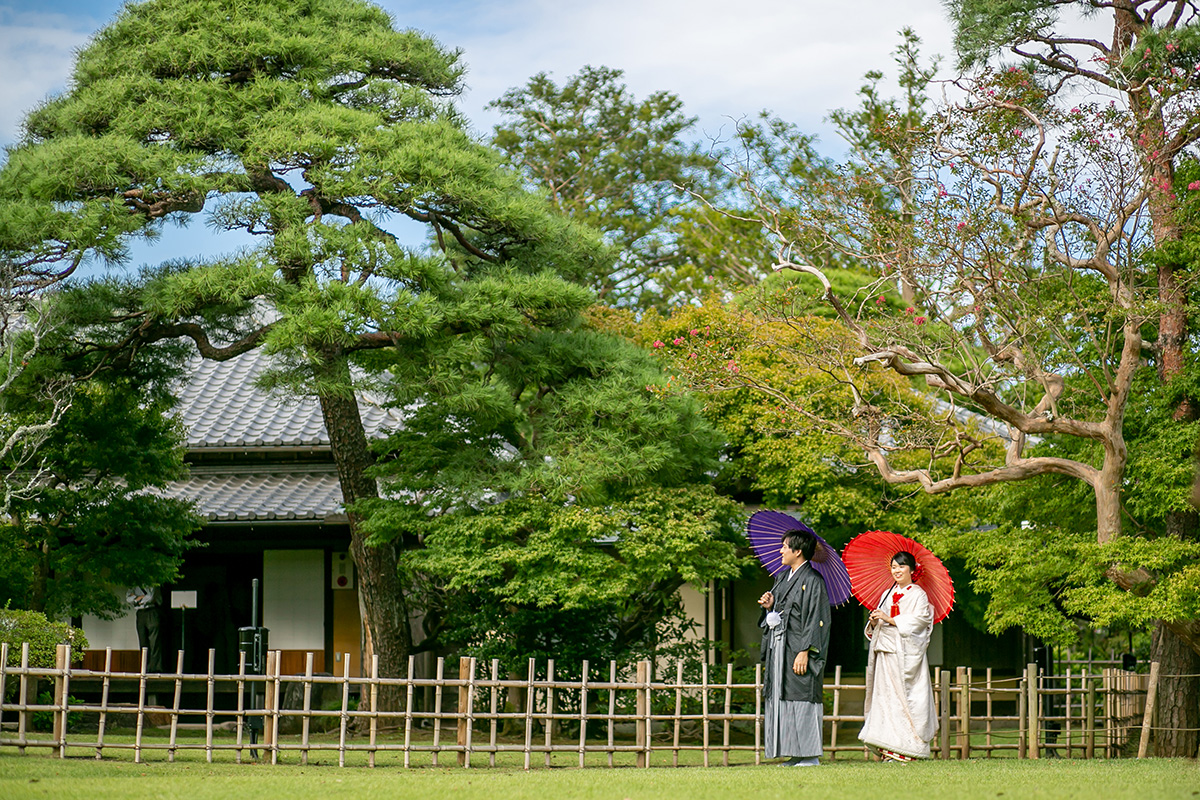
x: 899, y: 711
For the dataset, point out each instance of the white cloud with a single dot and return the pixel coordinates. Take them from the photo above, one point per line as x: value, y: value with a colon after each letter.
x: 36, y: 54
x: 725, y: 60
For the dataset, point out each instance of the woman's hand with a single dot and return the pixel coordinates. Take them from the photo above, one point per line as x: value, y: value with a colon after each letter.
x: 878, y: 616
x: 767, y: 601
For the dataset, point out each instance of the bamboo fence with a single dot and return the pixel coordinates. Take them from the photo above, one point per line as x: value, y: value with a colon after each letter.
x: 649, y: 711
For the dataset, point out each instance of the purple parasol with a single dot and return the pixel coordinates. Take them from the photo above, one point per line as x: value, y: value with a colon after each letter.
x: 765, y: 531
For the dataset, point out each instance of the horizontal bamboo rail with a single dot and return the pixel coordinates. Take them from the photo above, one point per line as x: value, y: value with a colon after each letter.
x: 634, y: 711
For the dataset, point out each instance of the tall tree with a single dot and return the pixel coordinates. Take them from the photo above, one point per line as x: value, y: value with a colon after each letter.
x: 549, y: 484
x: 1148, y: 60
x: 96, y: 521
x: 1043, y: 257
x: 631, y: 169
x: 313, y: 126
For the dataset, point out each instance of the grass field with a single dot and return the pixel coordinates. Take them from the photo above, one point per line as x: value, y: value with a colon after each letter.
x: 39, y: 774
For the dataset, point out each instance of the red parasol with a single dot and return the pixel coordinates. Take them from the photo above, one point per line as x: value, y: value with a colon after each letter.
x: 868, y: 558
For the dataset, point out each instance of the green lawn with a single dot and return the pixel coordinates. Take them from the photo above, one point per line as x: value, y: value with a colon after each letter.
x: 38, y: 774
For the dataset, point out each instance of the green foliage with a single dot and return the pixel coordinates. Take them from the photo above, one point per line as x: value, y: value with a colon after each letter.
x: 547, y: 483
x: 624, y: 167
x: 96, y: 524
x: 43, y: 636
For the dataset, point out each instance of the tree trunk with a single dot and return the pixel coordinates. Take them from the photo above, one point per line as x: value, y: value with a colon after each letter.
x: 1178, y: 698
x: 385, y: 621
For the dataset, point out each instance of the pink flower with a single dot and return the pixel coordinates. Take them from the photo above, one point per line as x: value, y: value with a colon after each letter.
x: 1171, y: 48
x: 879, y: 300
x: 731, y: 366
x: 909, y: 310
x: 1017, y: 132
x: 1075, y: 111
x: 1194, y: 185
x: 678, y: 340
x: 941, y: 191
x: 962, y: 225
x: 919, y: 321
x: 693, y: 332
x: 691, y: 355
x: 657, y: 344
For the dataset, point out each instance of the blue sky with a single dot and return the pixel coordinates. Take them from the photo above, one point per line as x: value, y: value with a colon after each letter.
x: 799, y: 58
x: 725, y: 60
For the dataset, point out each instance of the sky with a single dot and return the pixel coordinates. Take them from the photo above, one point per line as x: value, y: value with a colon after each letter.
x: 725, y: 60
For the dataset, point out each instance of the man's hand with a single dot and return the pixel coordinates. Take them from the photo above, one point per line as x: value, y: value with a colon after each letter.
x: 767, y: 601
x: 800, y: 665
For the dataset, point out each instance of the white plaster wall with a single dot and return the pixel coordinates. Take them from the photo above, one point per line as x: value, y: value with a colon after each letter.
x: 294, y: 598
x: 119, y: 633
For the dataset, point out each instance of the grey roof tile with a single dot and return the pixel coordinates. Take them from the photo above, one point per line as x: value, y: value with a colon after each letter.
x: 262, y: 495
x: 222, y: 407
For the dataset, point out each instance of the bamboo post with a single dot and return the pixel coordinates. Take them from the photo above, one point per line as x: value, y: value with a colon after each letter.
x: 758, y: 684
x: 988, y: 704
x: 103, y: 695
x: 678, y: 712
x: 1022, y: 720
x: 643, y: 708
x: 1108, y: 732
x: 209, y: 710
x: 963, y: 681
x: 529, y: 691
x: 306, y: 720
x: 374, y: 709
x: 728, y: 711
x: 549, y: 727
x: 408, y: 709
x: 344, y: 719
x: 1090, y: 722
x: 241, y: 699
x: 141, y: 708
x: 704, y: 707
x: 837, y: 705
x: 1031, y: 707
x: 437, y: 707
x: 944, y: 695
x: 464, y: 664
x: 470, y: 709
x: 176, y: 701
x: 269, y: 689
x: 1148, y: 716
x: 612, y: 706
x: 583, y: 716
x: 1067, y: 722
x: 494, y: 709
x: 4, y: 678
x: 23, y: 695
x: 61, y: 664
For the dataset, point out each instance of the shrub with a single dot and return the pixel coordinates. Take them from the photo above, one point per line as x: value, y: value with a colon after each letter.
x: 43, y: 635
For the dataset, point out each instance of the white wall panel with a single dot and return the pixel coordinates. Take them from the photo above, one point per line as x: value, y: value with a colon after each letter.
x: 119, y: 633
x: 294, y: 598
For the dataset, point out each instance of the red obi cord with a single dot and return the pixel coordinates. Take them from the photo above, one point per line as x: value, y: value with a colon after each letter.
x: 895, y: 604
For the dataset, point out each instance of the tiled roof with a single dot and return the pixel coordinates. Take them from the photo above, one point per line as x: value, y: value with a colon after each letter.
x: 221, y: 407
x: 301, y: 493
